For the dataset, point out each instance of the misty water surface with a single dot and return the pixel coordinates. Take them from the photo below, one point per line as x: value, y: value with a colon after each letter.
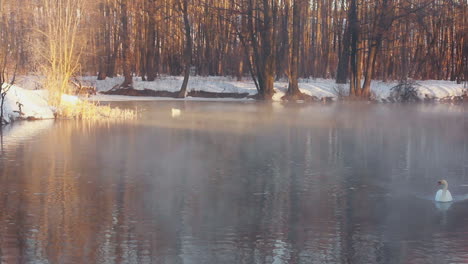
x: 238, y: 183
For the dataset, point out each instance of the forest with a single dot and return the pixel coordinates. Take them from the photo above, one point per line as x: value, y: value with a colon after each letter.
x: 234, y: 131
x: 352, y: 41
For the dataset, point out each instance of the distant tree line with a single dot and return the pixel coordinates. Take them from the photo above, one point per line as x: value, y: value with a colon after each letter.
x: 353, y: 41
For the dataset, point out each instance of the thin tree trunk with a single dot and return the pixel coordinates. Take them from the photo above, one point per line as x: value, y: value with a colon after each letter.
x: 354, y: 86
x: 343, y: 60
x: 128, y: 81
x: 268, y: 44
x: 188, y: 48
x: 368, y: 74
x: 102, y: 53
x: 151, y: 44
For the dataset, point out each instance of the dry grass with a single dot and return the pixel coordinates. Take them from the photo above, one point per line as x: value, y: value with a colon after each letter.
x: 93, y: 111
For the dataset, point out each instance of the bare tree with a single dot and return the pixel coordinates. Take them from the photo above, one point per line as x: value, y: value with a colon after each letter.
x: 350, y: 39
x: 262, y: 18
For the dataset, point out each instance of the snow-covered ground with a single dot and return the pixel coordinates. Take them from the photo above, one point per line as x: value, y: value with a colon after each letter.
x: 315, y: 87
x: 24, y: 100
x: 24, y: 103
x: 33, y: 102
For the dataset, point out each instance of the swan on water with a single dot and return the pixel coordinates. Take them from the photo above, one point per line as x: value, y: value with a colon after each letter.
x: 175, y: 112
x: 443, y: 195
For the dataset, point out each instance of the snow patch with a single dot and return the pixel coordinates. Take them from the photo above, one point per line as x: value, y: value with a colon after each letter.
x: 320, y: 88
x: 22, y: 103
x: 69, y: 99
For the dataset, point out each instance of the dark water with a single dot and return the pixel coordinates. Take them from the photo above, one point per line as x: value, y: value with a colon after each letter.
x: 238, y: 183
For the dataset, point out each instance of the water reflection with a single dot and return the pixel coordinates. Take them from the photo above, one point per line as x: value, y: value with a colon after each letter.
x: 239, y: 183
x: 20, y: 131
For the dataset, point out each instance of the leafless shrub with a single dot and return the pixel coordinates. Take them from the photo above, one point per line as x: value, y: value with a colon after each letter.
x: 81, y: 89
x: 373, y: 96
x: 60, y: 49
x: 340, y: 91
x: 405, y: 91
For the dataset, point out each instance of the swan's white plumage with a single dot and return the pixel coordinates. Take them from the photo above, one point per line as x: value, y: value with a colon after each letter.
x: 443, y: 196
x: 175, y: 112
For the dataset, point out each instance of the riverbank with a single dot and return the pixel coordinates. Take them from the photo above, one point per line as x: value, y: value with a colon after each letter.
x: 26, y: 104
x: 26, y: 101
x: 32, y: 104
x: 224, y: 87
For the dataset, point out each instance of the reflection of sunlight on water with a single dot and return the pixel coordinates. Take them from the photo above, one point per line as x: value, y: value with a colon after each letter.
x: 21, y: 132
x: 235, y: 183
x: 449, y: 245
x: 281, y: 252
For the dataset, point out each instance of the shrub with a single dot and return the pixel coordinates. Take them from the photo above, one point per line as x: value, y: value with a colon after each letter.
x: 405, y: 91
x: 340, y: 91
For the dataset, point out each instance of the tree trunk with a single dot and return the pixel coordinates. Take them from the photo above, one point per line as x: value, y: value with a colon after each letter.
x: 2, y: 100
x: 151, y: 43
x: 268, y: 44
x: 128, y: 81
x: 293, y: 88
x: 240, y: 65
x: 103, y: 53
x: 383, y: 22
x: 343, y: 60
x: 188, y: 48
x: 102, y: 69
x: 355, y: 79
x: 112, y: 54
x: 368, y: 74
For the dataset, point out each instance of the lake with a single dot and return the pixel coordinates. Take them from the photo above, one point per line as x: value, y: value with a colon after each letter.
x: 238, y: 182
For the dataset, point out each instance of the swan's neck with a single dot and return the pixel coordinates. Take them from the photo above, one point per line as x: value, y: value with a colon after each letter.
x: 445, y: 187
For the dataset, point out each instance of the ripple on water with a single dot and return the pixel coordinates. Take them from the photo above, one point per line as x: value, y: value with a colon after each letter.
x: 331, y: 187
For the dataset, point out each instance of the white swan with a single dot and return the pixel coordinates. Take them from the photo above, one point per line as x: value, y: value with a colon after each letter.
x: 443, y: 195
x: 175, y: 112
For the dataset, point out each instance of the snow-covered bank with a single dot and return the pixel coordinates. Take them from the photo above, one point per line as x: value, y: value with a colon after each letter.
x: 32, y: 104
x: 26, y: 104
x: 319, y: 88
x: 29, y: 103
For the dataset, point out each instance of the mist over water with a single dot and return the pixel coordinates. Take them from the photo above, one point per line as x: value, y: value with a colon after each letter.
x: 238, y: 183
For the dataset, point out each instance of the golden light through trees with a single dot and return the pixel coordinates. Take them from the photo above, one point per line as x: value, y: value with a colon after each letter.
x: 351, y: 40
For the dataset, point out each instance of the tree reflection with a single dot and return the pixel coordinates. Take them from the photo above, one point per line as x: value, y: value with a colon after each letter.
x: 300, y: 186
